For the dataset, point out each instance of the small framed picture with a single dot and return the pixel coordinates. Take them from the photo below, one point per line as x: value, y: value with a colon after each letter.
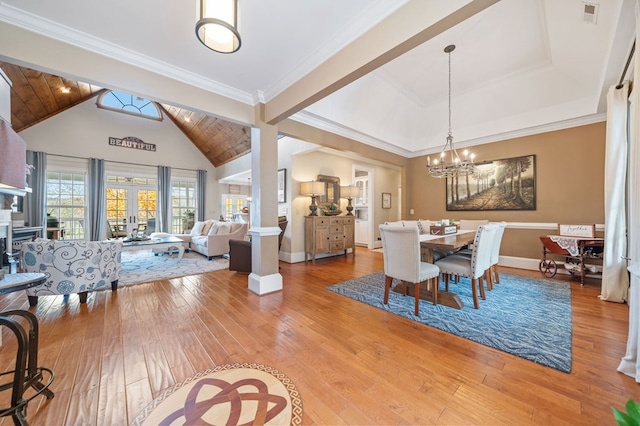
x: 282, y: 185
x: 386, y: 200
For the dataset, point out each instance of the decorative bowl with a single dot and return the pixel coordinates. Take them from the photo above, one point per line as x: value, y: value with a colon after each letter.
x: 331, y: 212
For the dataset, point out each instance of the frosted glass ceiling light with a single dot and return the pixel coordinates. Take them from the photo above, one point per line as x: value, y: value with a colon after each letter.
x: 217, y: 27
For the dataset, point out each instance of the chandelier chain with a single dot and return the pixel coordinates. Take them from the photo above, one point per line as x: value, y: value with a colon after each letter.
x: 454, y: 165
x: 449, y: 53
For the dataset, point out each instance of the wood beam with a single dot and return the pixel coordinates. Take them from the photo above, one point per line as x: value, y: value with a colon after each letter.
x: 413, y: 24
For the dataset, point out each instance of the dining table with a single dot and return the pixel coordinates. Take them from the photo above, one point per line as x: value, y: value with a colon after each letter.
x: 430, y: 243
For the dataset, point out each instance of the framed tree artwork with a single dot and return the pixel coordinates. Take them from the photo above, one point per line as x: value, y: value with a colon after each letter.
x: 507, y: 184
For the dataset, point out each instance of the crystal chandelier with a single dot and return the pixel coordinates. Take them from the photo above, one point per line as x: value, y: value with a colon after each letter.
x: 449, y: 163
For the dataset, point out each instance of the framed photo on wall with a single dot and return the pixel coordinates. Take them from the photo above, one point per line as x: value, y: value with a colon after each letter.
x: 386, y: 200
x: 506, y: 184
x: 282, y: 185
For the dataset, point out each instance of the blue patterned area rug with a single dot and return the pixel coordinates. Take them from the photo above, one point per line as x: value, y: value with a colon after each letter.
x: 143, y: 266
x: 526, y: 317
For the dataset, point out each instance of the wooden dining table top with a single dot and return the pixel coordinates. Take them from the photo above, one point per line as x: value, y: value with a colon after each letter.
x: 448, y: 242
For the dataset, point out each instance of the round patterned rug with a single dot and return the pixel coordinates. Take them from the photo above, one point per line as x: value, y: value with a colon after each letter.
x: 232, y: 394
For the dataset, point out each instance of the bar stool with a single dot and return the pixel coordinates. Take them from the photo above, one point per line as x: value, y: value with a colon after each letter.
x: 27, y: 374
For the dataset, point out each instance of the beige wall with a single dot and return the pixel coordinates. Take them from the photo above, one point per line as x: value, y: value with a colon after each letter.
x: 569, y: 185
x: 308, y: 165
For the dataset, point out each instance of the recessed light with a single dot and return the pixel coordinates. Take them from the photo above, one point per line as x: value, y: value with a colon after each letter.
x: 65, y: 90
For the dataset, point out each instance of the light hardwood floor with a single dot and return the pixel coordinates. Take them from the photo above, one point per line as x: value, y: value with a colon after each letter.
x: 352, y: 363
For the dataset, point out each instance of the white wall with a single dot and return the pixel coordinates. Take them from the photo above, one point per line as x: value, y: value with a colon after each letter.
x: 84, y: 130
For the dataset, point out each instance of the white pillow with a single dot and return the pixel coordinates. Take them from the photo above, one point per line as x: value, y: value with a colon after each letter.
x: 214, y: 229
x: 206, y: 227
x: 197, y: 228
x: 224, y: 228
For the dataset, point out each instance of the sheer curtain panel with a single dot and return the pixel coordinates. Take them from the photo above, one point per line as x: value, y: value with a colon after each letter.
x: 630, y: 364
x: 615, y: 278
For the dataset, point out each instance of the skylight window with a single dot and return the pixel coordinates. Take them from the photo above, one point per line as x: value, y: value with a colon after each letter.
x: 129, y: 104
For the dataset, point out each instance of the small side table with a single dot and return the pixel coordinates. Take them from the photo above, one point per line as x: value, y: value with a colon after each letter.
x: 27, y: 373
x: 20, y: 281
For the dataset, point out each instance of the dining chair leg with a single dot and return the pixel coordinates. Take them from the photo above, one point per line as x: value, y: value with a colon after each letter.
x: 495, y: 273
x: 387, y: 285
x: 481, y: 286
x: 435, y: 283
x: 489, y: 278
x: 474, y: 291
x: 417, y: 293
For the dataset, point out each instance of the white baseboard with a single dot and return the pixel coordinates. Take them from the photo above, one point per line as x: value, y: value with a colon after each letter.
x: 265, y: 284
x: 519, y: 262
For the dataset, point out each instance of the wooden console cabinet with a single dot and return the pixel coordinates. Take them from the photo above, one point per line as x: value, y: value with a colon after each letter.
x: 328, y: 234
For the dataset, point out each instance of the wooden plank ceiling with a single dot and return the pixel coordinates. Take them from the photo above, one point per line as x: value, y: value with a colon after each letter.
x: 37, y: 96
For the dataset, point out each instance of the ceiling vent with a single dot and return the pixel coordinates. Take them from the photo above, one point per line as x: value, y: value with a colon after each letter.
x: 590, y: 12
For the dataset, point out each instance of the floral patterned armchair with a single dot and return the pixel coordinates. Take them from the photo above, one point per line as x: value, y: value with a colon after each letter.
x: 71, y: 266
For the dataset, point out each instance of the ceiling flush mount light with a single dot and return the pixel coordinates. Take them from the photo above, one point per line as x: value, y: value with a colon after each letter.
x: 217, y: 26
x: 449, y: 163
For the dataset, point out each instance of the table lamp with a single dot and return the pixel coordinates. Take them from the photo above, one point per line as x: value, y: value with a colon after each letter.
x: 349, y: 192
x: 312, y: 189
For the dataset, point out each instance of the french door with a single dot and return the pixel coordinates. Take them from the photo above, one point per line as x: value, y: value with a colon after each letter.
x: 129, y: 208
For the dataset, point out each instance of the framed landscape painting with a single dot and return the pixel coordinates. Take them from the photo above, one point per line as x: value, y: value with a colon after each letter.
x: 507, y: 184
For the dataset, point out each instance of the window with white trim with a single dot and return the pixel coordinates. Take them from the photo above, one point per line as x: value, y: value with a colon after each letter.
x: 129, y: 104
x: 66, y: 201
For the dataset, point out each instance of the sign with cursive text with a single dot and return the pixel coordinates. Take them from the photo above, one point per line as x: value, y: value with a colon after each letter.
x: 577, y: 230
x: 132, y: 142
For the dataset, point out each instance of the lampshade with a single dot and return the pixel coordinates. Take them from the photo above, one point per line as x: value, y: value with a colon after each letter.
x: 13, y: 158
x: 217, y: 26
x: 312, y: 188
x: 350, y: 191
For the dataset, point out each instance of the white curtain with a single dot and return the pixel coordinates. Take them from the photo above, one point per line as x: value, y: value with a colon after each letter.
x: 630, y: 364
x: 615, y: 278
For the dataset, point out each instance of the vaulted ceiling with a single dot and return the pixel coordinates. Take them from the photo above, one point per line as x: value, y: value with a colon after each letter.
x: 36, y: 96
x: 370, y: 70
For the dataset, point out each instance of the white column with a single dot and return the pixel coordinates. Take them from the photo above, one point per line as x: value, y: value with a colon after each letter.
x: 264, y: 277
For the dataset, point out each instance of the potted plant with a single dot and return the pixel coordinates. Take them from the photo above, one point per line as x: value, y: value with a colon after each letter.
x: 631, y: 417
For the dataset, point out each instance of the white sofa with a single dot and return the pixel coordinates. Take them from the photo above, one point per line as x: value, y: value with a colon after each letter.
x: 211, y: 238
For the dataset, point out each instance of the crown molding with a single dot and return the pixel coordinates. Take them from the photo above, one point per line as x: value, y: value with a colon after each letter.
x: 529, y: 131
x: 321, y: 123
x: 333, y: 127
x: 64, y: 34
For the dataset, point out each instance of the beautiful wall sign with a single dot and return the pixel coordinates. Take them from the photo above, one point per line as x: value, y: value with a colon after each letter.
x: 132, y: 142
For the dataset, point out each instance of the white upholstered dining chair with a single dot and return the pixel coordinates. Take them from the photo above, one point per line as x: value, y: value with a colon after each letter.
x: 495, y: 253
x: 493, y: 275
x: 473, y: 267
x: 401, y: 248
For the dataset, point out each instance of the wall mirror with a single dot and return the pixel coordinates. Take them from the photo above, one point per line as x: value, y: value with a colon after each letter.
x: 331, y: 190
